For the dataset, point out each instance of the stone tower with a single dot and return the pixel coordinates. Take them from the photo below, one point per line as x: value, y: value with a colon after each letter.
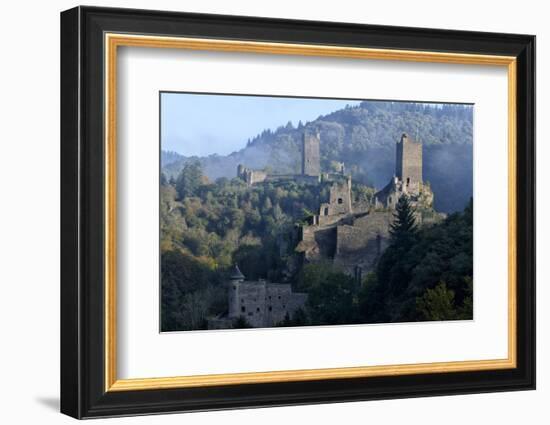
x: 311, y: 159
x: 408, y: 164
x: 233, y: 288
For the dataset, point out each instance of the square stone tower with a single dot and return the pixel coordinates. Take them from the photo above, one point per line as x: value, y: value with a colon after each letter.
x: 408, y: 164
x: 311, y: 158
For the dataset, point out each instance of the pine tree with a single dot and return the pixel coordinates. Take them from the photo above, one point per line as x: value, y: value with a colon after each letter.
x: 404, y: 227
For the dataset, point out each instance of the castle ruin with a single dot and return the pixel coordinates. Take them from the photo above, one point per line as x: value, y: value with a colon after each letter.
x: 311, y: 166
x: 407, y: 179
x: 353, y: 236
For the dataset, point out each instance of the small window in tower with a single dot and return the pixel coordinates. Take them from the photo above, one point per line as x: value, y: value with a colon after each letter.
x: 340, y: 201
x: 389, y: 200
x: 234, y: 287
x: 270, y: 308
x: 326, y: 211
x: 258, y: 309
x: 243, y: 309
x: 408, y: 180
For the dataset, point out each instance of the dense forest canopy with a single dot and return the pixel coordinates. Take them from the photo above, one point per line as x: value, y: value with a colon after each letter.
x: 363, y: 137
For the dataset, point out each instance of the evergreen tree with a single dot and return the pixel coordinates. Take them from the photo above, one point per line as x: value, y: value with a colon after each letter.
x: 404, y: 227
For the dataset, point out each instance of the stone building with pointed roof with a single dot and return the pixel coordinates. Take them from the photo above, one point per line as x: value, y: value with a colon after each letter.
x: 261, y: 303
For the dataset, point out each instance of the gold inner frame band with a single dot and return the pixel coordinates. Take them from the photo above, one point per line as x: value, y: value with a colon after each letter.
x: 113, y: 41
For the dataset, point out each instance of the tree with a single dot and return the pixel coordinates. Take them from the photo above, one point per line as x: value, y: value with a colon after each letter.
x: 267, y: 205
x: 189, y: 179
x: 394, y: 267
x: 331, y: 300
x: 188, y: 289
x: 404, y: 227
x: 437, y: 304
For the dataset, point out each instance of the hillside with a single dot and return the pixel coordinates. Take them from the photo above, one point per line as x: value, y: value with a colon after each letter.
x: 364, y: 137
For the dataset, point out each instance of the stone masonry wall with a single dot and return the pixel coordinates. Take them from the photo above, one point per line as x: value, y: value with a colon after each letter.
x: 263, y: 304
x: 409, y: 160
x: 362, y: 243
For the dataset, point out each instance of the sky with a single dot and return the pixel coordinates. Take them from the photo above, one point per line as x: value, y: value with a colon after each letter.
x: 204, y: 124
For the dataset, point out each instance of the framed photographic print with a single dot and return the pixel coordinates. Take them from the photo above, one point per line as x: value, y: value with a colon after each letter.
x: 261, y: 212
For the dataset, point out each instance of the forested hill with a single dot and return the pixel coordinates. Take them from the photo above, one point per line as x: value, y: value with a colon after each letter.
x: 364, y: 138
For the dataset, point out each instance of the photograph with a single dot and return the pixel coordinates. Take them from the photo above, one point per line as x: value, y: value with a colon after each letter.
x: 283, y: 211
x: 293, y: 209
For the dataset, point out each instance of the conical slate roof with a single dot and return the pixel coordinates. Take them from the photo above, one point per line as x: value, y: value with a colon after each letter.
x: 236, y: 274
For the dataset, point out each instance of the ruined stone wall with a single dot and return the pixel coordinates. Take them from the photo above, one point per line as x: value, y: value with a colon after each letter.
x: 325, y: 217
x: 252, y: 177
x: 340, y: 197
x: 317, y: 243
x: 311, y: 158
x: 326, y: 240
x: 298, y: 178
x: 308, y: 233
x: 339, y: 202
x: 362, y: 243
x: 255, y: 176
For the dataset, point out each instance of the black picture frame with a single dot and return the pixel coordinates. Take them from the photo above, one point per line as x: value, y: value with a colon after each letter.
x: 83, y: 392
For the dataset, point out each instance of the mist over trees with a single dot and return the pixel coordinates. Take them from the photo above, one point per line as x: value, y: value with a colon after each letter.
x: 364, y: 138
